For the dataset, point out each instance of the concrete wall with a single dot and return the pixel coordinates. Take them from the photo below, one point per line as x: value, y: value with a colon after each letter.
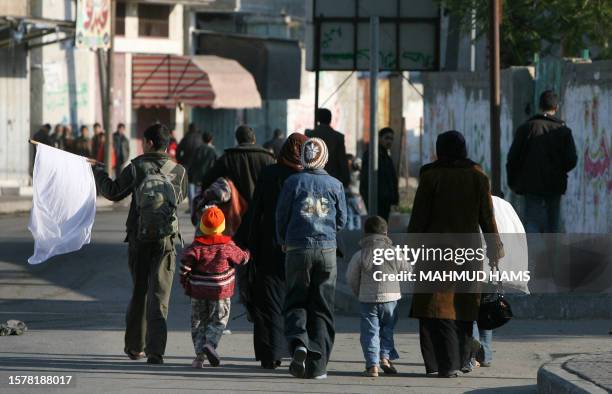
x: 586, y: 97
x: 64, y: 81
x: 14, y: 117
x: 461, y: 101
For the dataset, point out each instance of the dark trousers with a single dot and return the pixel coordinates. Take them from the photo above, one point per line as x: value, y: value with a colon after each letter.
x: 309, y: 305
x: 445, y: 344
x: 542, y: 213
x: 152, y: 267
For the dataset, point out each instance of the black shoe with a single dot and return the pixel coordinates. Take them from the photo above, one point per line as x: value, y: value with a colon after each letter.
x: 297, y: 368
x: 155, y: 359
x: 270, y: 364
x: 448, y: 375
x: 211, y: 355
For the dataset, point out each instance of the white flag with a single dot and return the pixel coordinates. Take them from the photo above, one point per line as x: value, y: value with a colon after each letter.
x: 64, y: 203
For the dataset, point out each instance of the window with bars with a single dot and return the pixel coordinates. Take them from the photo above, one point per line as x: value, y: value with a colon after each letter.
x: 153, y: 20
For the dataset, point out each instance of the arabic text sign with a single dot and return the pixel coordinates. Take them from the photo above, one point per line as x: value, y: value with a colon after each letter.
x: 93, y: 25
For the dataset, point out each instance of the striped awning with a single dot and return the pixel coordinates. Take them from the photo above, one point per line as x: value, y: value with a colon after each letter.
x: 198, y: 81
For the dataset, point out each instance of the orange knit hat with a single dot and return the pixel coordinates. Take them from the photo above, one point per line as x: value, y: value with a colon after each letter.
x: 212, y: 221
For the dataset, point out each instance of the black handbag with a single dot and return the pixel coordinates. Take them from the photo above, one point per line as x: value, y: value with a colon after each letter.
x: 495, y: 310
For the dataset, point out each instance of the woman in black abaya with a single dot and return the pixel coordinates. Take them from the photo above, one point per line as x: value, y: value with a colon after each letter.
x: 267, y: 282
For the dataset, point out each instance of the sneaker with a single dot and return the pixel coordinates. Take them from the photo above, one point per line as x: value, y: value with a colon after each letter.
x: 387, y: 367
x: 211, y: 355
x: 133, y: 355
x: 297, y: 368
x: 198, y: 362
x: 371, y: 372
x: 155, y: 359
x: 320, y: 377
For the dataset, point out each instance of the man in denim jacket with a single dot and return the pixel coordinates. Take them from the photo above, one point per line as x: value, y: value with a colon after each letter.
x: 311, y: 209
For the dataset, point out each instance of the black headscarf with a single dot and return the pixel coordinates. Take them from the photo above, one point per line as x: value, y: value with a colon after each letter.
x: 450, y: 146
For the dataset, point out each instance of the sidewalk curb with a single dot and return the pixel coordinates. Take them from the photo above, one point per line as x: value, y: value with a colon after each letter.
x: 554, y: 379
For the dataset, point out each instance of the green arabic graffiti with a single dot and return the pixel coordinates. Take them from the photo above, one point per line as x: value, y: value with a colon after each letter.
x: 388, y: 60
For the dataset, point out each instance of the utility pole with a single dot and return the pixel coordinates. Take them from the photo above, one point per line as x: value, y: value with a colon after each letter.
x: 495, y: 99
x: 107, y: 110
x: 373, y: 153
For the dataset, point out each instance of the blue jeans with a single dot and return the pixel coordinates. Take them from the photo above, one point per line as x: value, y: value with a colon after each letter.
x: 191, y: 193
x: 486, y: 340
x: 542, y: 213
x: 377, y: 323
x: 355, y: 207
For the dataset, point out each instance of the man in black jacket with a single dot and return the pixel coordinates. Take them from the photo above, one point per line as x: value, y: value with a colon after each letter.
x: 242, y: 164
x: 541, y: 155
x: 185, y: 155
x: 121, y: 145
x: 337, y: 166
x: 388, y: 193
x: 151, y: 263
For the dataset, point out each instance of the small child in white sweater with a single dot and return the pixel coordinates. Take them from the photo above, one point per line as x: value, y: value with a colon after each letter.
x: 378, y: 298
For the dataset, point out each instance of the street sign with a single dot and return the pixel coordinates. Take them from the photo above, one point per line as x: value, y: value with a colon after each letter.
x: 338, y: 33
x: 93, y: 24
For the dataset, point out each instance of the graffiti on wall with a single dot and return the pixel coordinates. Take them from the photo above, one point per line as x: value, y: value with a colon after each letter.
x: 588, y: 203
x: 60, y: 95
x: 466, y: 111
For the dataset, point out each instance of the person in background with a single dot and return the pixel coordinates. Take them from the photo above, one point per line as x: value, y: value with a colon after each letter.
x: 208, y: 277
x: 267, y: 286
x: 121, y: 145
x: 311, y: 209
x: 100, y: 154
x: 242, y: 164
x: 98, y: 132
x: 185, y: 155
x: 276, y: 143
x: 336, y: 166
x: 42, y: 135
x: 205, y: 158
x: 68, y: 139
x: 541, y: 155
x: 57, y: 138
x: 172, y: 146
x: 378, y: 299
x: 388, y: 193
x: 82, y: 144
x: 453, y: 197
x: 354, y: 203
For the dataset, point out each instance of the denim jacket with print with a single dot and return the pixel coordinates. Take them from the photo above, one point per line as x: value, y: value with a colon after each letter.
x: 311, y: 209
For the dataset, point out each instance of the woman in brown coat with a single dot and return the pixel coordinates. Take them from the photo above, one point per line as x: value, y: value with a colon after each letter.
x: 453, y: 197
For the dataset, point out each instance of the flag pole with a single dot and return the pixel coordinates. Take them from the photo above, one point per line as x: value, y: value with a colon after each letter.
x: 90, y: 161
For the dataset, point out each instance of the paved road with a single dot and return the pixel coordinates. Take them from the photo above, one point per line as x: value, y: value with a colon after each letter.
x: 74, y: 307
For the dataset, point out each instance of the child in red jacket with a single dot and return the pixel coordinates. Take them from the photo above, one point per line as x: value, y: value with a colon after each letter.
x: 208, y: 276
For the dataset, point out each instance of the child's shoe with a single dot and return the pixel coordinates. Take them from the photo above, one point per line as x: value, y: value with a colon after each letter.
x: 211, y: 355
x: 371, y: 372
x: 198, y: 362
x: 387, y: 367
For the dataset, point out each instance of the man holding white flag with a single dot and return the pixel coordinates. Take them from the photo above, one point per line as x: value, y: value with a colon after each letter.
x: 64, y: 203
x: 157, y: 185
